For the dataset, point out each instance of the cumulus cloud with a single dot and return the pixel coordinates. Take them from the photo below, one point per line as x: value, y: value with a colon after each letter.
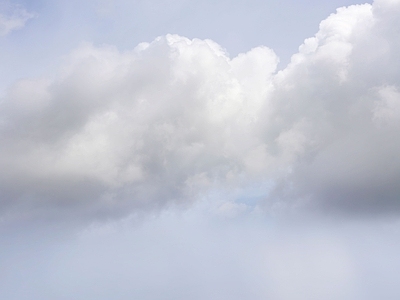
x: 138, y: 129
x: 13, y: 17
x: 344, y: 82
x: 176, y: 119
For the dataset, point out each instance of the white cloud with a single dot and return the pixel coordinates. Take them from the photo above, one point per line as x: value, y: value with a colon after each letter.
x: 387, y: 108
x: 13, y: 17
x: 350, y: 161
x: 176, y: 119
x: 139, y: 126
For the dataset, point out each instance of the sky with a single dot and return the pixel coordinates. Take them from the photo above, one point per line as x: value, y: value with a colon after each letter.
x: 199, y: 150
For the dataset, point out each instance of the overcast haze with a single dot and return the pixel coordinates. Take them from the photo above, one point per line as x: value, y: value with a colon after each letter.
x: 198, y: 150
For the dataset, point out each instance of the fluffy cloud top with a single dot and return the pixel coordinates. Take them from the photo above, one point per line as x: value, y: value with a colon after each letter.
x: 177, y: 119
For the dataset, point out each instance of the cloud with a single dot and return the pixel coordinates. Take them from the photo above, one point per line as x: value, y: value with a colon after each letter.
x: 176, y: 120
x: 344, y: 84
x: 140, y: 129
x: 180, y: 255
x: 13, y: 17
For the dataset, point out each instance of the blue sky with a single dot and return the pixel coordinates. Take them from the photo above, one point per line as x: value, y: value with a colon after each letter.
x: 201, y: 150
